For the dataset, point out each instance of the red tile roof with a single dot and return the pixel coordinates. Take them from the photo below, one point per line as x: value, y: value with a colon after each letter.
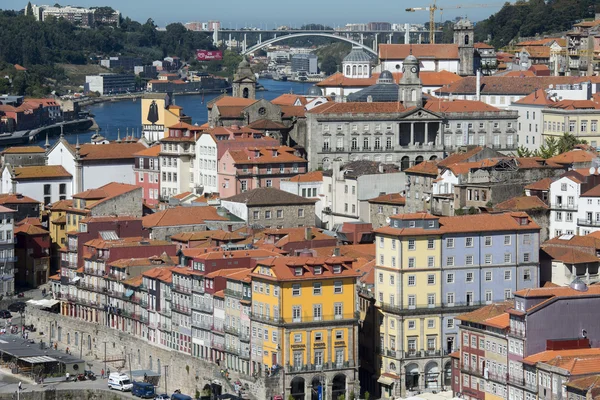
x: 356, y: 108
x: 537, y: 98
x: 289, y: 99
x: 23, y: 150
x: 549, y: 355
x: 41, y: 172
x: 425, y: 168
x: 503, y: 85
x: 460, y: 106
x: 178, y: 216
x: 283, y: 268
x: 574, y: 156
x: 421, y: 51
x: 522, y: 203
x: 314, y: 176
x: 18, y: 198
x: 390, y: 198
x: 481, y: 315
x: 110, y: 151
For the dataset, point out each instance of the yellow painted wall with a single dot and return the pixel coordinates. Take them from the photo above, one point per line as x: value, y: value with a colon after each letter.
x: 57, y: 232
x: 576, y: 116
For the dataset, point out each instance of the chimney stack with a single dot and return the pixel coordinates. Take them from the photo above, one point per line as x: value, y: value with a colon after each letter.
x: 478, y: 89
x: 308, y: 233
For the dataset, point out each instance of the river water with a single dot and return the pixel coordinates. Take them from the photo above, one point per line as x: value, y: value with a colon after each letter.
x: 126, y: 115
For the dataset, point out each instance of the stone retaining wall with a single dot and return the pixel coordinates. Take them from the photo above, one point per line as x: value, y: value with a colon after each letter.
x: 53, y: 394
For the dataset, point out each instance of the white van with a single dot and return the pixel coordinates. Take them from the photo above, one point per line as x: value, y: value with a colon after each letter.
x: 119, y: 381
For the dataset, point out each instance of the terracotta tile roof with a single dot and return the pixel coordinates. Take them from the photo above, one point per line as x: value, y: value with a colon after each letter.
x: 543, y: 42
x: 459, y: 106
x: 110, y: 151
x: 23, y: 150
x: 588, y: 24
x: 224, y: 272
x: 112, y: 218
x: 537, y: 51
x: 425, y: 168
x: 242, y: 276
x: 459, y: 156
x: 125, y: 242
x: 491, y: 222
x: 390, y: 198
x: 586, y: 384
x: 228, y: 101
x: 366, y: 269
x: 593, y: 192
x: 575, y: 105
x: 314, y: 176
x: 293, y: 111
x: 178, y: 216
x: 358, y: 107
x: 421, y: 51
x: 163, y: 260
x: 6, y: 209
x: 283, y: 268
x: 267, y: 124
x: 548, y: 355
x: 105, y: 193
x: 574, y: 156
x: 538, y: 97
x: 268, y: 196
x: 289, y: 99
x: 18, y: 198
x: 501, y: 321
x: 19, y: 67
x: 481, y: 315
x: 366, y: 251
x: 503, y: 85
x: 149, y: 152
x: 248, y: 156
x: 163, y: 274
x: 29, y: 229
x: 207, y: 254
x: 220, y: 235
x: 542, y: 184
x: 569, y: 255
x: 482, y: 46
x: 41, y: 172
x: 560, y: 291
x: 522, y: 203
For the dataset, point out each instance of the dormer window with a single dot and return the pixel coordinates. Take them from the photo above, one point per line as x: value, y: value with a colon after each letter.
x: 411, y: 224
x: 337, y: 269
x: 274, y: 153
x: 298, y: 271
x: 318, y: 270
x: 256, y: 153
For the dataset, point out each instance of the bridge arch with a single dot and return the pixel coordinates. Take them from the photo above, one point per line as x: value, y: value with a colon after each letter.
x: 266, y: 43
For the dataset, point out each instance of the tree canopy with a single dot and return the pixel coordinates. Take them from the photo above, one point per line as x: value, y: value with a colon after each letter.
x: 552, y: 147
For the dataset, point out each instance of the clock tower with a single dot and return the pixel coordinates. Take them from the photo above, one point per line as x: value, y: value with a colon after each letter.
x: 410, y: 86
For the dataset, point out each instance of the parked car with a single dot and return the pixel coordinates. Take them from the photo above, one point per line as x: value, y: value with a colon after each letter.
x: 17, y: 307
x: 4, y: 314
x: 143, y: 389
x: 119, y: 381
x: 163, y: 396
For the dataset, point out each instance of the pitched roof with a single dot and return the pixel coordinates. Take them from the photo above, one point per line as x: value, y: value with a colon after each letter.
x: 23, y: 150
x: 542, y: 184
x: 178, y: 216
x: 266, y: 155
x: 569, y: 255
x: 537, y: 98
x: 421, y: 51
x: 358, y: 107
x: 459, y: 106
x: 389, y: 198
x: 268, y: 196
x: 426, y: 168
x: 559, y: 291
x: 149, y: 152
x: 575, y: 105
x: 18, y: 198
x: 593, y: 192
x: 586, y: 384
x: 163, y: 274
x: 313, y: 176
x: 30, y: 229
x: 289, y: 99
x: 482, y: 314
x: 110, y: 151
x: 503, y: 85
x: 548, y: 355
x: 522, y: 203
x: 283, y: 268
x: 41, y: 172
x: 459, y: 156
x: 573, y: 156
x: 105, y: 193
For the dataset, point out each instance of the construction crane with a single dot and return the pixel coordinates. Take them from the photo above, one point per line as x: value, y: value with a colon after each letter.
x: 433, y: 8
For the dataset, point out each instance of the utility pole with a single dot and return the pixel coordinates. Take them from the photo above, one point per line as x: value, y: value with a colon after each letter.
x: 105, y: 355
x: 130, y: 374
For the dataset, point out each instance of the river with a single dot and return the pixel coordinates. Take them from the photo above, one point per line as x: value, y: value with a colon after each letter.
x: 126, y: 115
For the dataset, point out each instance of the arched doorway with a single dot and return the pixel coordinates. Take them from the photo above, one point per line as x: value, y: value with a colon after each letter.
x: 448, y: 374
x: 317, y: 385
x: 404, y: 163
x: 418, y: 160
x: 432, y: 158
x: 245, y: 93
x: 432, y: 375
x: 297, y: 388
x: 412, y: 376
x: 206, y: 392
x: 339, y: 386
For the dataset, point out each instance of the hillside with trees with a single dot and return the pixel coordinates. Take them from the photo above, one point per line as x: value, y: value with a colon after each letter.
x: 533, y: 17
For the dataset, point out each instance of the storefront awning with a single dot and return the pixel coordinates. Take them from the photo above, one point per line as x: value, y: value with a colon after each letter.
x: 384, y: 380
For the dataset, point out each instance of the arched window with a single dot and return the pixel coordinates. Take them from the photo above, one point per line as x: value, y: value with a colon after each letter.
x: 347, y: 70
x: 354, y: 70
x: 360, y: 70
x: 354, y: 143
x: 388, y: 143
x: 377, y: 143
x: 366, y: 143
x: 245, y: 93
x: 413, y: 95
x: 466, y: 39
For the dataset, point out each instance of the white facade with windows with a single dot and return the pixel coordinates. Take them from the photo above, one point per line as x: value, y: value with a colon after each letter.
x: 207, y: 163
x: 588, y: 213
x: 564, y: 202
x: 176, y: 165
x: 529, y: 125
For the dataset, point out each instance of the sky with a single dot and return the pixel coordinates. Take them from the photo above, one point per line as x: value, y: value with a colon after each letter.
x: 272, y: 13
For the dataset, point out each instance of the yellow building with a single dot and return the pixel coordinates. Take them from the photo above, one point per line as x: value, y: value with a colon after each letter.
x: 577, y: 117
x: 305, y: 323
x: 158, y: 113
x: 408, y: 293
x: 58, y: 221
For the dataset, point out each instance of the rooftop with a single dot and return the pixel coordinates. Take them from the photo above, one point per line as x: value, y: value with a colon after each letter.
x: 421, y: 51
x: 314, y: 176
x: 41, y: 172
x: 284, y: 268
x: 268, y: 196
x: 522, y: 203
x: 178, y: 216
x: 483, y: 314
x: 23, y: 150
x: 389, y: 198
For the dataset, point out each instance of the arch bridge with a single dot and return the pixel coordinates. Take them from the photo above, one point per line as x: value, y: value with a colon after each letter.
x: 268, y: 42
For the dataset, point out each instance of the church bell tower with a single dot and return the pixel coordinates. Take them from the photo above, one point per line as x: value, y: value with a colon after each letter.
x: 244, y: 81
x: 410, y: 86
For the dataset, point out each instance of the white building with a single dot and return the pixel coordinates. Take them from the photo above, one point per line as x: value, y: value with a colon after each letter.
x: 44, y: 183
x: 588, y: 212
x: 7, y: 251
x: 207, y: 162
x: 347, y: 190
x: 308, y: 185
x: 564, y: 202
x: 531, y: 120
x: 99, y: 163
x: 177, y: 159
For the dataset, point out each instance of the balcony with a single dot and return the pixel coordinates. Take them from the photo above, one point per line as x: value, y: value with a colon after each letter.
x: 458, y: 307
x: 202, y: 325
x: 474, y: 370
x: 501, y: 378
x: 165, y: 312
x: 140, y: 301
x: 94, y: 272
x: 217, y: 345
x: 517, y: 332
x: 320, y: 367
x: 232, y: 330
x: 588, y: 222
x: 182, y: 289
x: 564, y: 206
x: 391, y: 353
x: 232, y: 350
x: 234, y: 293
x: 244, y: 336
x: 181, y: 308
x: 204, y: 307
x: 516, y: 380
x: 307, y: 319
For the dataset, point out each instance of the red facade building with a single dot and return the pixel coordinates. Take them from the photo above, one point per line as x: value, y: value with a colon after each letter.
x: 147, y: 174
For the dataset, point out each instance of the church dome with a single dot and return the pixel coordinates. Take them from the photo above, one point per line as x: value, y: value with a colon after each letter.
x: 411, y: 60
x: 385, y: 77
x: 244, y: 63
x: 314, y: 91
x: 357, y: 55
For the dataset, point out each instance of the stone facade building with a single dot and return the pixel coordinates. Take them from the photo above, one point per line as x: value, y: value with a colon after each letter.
x: 272, y: 208
x: 381, y: 208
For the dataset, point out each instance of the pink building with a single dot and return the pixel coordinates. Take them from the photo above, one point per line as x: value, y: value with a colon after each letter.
x: 254, y: 167
x: 147, y: 174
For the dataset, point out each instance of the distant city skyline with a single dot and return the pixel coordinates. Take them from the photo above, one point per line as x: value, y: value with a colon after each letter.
x: 271, y: 13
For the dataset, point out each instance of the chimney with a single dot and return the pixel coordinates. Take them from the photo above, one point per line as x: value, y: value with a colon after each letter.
x: 369, y: 99
x: 308, y: 233
x: 478, y: 88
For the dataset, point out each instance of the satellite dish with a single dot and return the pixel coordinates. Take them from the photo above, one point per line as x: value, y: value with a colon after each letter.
x: 550, y: 86
x: 592, y: 171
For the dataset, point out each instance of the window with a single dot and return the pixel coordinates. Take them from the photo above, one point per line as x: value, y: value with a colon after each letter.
x: 469, y: 260
x: 488, y: 276
x: 507, y: 275
x: 430, y: 279
x: 488, y: 258
x: 297, y: 338
x: 450, y: 298
x: 450, y: 278
x: 267, y: 214
x: 450, y: 243
x: 488, y: 241
x: 301, y: 213
x: 411, y: 262
x: 296, y: 314
x: 430, y: 243
x: 469, y: 242
x: 298, y: 271
x: 317, y: 288
x: 412, y: 280
x: 255, y: 214
x: 431, y: 323
x: 450, y: 323
x: 296, y: 289
x: 338, y: 311
x: 317, y: 312
x: 507, y: 258
x: 411, y: 324
x: 412, y: 300
x: 450, y: 261
x: 269, y: 183
x: 470, y: 277
x: 430, y: 262
x: 488, y: 296
x: 337, y: 287
x: 526, y: 257
x: 527, y: 275
x: 507, y: 294
x: 431, y: 300
x: 411, y: 244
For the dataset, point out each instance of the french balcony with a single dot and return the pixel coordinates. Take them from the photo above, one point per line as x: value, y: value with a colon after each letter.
x: 217, y: 345
x: 232, y: 330
x: 564, y: 206
x: 471, y: 369
x: 307, y: 319
x: 204, y: 307
x: 233, y: 293
x: 182, y: 289
x: 181, y: 308
x: 328, y: 366
x: 431, y: 308
x: 165, y: 312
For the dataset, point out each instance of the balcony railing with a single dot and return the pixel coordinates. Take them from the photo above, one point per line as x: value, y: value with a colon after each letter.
x: 217, y: 345
x: 181, y: 308
x: 202, y: 324
x: 306, y: 319
x: 328, y: 366
x: 165, y: 311
x: 502, y: 378
x: 232, y: 349
x: 516, y: 380
x: 182, y: 289
x: 587, y: 222
x: 204, y: 307
x: 232, y: 330
x: 428, y: 308
x: 475, y: 370
x: 517, y: 332
x: 95, y: 272
x: 564, y: 206
x: 235, y: 293
x: 218, y: 328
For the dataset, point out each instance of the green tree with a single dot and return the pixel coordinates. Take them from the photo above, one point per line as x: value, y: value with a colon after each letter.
x: 29, y: 9
x: 329, y: 65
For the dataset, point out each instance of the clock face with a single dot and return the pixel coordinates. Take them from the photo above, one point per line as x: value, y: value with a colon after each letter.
x: 414, y: 69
